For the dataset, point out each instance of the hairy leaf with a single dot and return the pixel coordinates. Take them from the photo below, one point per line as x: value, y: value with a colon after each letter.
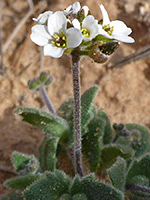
x: 24, y: 164
x: 94, y: 189
x: 93, y: 141
x: 49, y: 123
x: 109, y: 154
x: 117, y: 174
x: 139, y: 166
x: 14, y: 195
x: 21, y: 182
x: 50, y: 187
x: 86, y: 103
x: 47, y: 152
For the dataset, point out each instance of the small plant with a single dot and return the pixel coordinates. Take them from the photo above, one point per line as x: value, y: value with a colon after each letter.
x: 117, y: 158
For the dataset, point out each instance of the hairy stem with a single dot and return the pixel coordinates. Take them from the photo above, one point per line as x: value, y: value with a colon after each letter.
x: 77, y: 112
x: 47, y: 100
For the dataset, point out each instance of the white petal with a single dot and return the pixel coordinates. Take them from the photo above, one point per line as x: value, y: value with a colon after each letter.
x: 74, y: 37
x: 57, y: 22
x: 106, y: 20
x: 68, y: 10
x: 91, y: 25
x: 76, y: 7
x: 86, y: 10
x: 120, y: 27
x: 42, y: 18
x: 123, y: 38
x: 76, y: 24
x: 40, y: 35
x: 51, y: 50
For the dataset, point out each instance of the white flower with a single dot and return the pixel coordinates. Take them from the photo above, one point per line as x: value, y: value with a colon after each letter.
x: 89, y: 27
x: 72, y: 9
x: 55, y: 37
x: 114, y: 29
x: 43, y: 18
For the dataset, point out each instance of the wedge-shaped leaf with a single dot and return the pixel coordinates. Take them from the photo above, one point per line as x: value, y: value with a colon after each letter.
x: 94, y: 189
x: 86, y: 111
x: 117, y: 174
x: 108, y: 133
x: 86, y: 103
x: 140, y: 166
x: 140, y: 180
x: 21, y: 182
x: 47, y: 152
x: 109, y: 154
x: 66, y: 110
x: 79, y: 197
x: 65, y: 197
x: 140, y: 138
x: 93, y: 141
x: 15, y: 195
x: 24, y: 164
x: 49, y: 123
x: 50, y: 187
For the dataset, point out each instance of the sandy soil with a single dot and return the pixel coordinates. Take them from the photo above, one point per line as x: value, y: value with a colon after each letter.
x: 124, y: 93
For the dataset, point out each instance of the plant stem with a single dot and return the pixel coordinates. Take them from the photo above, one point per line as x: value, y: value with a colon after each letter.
x: 77, y: 112
x: 47, y: 100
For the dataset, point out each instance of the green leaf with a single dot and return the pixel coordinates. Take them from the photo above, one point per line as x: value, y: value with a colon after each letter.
x: 140, y: 180
x: 109, y: 154
x: 49, y: 123
x: 140, y: 138
x: 140, y: 166
x: 21, y: 182
x: 50, y: 187
x: 94, y: 189
x: 66, y: 110
x: 14, y: 195
x: 86, y: 104
x: 108, y: 133
x: 79, y: 197
x: 65, y: 197
x: 93, y: 141
x: 24, y: 164
x: 117, y: 174
x: 47, y: 152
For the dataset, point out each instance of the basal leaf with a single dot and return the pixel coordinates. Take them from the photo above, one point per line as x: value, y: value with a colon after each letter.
x: 140, y: 166
x: 48, y: 122
x: 24, y: 164
x: 47, y: 152
x: 21, y: 182
x: 94, y: 189
x: 109, y: 154
x: 117, y: 174
x: 50, y: 187
x: 93, y: 141
x: 86, y: 103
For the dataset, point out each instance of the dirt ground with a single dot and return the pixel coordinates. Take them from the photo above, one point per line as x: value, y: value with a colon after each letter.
x: 124, y: 93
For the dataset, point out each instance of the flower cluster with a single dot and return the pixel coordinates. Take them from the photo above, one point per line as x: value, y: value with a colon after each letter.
x: 74, y: 27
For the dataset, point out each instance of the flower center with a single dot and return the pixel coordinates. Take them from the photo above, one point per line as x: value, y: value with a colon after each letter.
x: 59, y: 40
x: 85, y: 32
x: 108, y: 29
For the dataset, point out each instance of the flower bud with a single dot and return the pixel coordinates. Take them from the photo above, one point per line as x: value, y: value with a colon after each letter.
x: 101, y: 51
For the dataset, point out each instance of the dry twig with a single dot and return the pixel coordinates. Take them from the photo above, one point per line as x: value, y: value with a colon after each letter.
x: 21, y: 23
x: 140, y: 54
x: 31, y: 4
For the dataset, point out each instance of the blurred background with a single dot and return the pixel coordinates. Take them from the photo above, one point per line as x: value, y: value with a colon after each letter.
x: 124, y: 91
